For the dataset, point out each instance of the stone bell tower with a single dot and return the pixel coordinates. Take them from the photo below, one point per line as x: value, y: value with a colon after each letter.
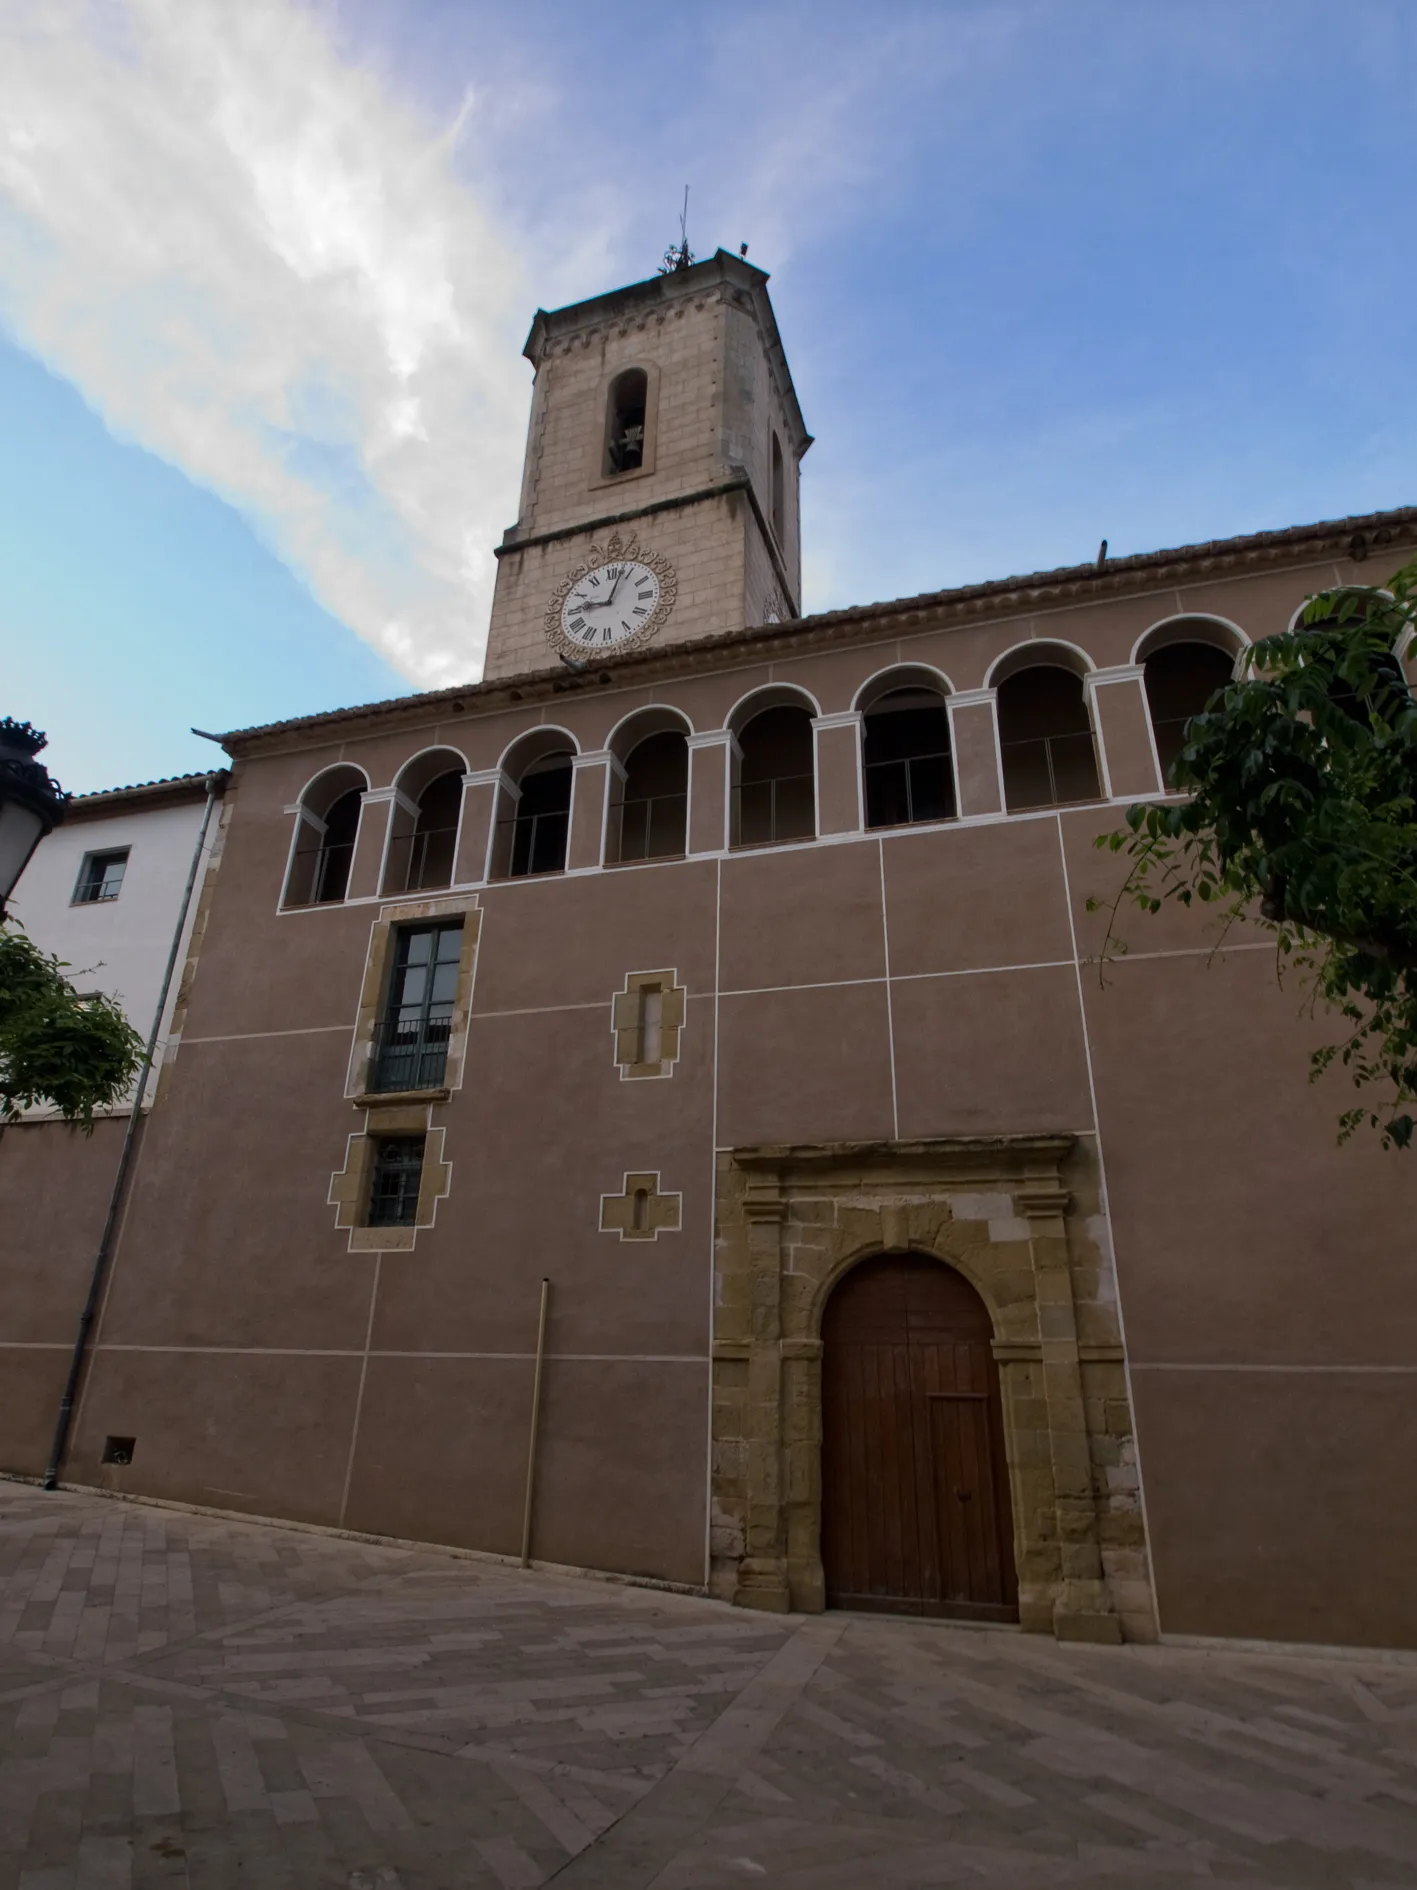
x: 665, y: 441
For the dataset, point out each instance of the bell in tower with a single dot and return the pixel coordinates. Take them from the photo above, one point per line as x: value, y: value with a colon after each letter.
x: 659, y: 498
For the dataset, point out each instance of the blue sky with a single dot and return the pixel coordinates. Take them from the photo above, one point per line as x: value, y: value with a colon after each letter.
x: 1048, y: 271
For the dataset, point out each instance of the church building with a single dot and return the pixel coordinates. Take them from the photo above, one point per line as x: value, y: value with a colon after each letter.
x: 664, y: 1110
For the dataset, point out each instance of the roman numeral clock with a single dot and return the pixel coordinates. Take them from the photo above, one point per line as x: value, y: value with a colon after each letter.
x: 616, y: 601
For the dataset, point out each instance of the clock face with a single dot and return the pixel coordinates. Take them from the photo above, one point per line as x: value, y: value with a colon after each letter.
x: 610, y: 605
x: 617, y: 601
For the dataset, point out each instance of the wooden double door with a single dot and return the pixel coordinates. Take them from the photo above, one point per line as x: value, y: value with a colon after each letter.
x: 915, y: 1497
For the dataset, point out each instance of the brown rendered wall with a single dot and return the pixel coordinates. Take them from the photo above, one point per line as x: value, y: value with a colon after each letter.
x: 925, y: 983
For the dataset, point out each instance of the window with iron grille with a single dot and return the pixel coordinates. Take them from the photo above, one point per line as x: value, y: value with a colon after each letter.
x: 101, y: 876
x: 398, y: 1170
x: 411, y: 1042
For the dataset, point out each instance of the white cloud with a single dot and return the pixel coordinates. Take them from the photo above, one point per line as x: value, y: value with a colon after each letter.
x: 256, y: 263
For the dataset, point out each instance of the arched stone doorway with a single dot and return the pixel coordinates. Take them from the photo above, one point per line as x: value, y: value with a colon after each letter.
x: 916, y: 1517
x: 1021, y: 1219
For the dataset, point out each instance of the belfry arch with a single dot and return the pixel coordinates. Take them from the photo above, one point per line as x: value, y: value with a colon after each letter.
x: 1010, y: 1215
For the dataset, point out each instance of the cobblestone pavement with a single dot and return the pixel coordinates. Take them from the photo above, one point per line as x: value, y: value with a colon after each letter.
x: 189, y: 1701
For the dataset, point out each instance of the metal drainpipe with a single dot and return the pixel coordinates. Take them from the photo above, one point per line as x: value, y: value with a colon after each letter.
x: 125, y: 1161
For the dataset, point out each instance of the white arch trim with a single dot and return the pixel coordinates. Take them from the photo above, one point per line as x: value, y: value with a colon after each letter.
x: 457, y: 764
x: 770, y: 696
x: 1336, y: 590
x: 303, y: 813
x: 545, y: 739
x: 881, y: 683
x: 664, y: 712
x: 333, y: 767
x: 1039, y: 651
x: 1154, y: 637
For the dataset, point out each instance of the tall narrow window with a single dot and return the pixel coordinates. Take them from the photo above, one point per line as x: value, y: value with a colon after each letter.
x: 411, y: 1041
x: 648, y: 1021
x: 651, y: 1024
x: 397, y: 1173
x: 625, y: 422
x: 101, y: 876
x: 778, y: 501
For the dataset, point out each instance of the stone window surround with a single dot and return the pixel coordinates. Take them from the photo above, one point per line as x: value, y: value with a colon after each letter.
x: 625, y: 1022
x: 792, y: 1221
x: 664, y: 1212
x: 378, y: 969
x: 350, y: 1186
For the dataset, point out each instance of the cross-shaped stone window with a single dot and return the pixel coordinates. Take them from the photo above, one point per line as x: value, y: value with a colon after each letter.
x: 640, y: 1211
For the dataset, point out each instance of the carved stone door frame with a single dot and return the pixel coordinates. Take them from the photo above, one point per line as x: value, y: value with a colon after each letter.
x: 1016, y: 1215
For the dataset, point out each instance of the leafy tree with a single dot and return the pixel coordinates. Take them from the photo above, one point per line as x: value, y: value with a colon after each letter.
x: 1302, y: 811
x: 78, y: 1053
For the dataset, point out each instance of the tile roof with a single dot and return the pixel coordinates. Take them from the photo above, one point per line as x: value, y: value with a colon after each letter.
x: 170, y: 790
x: 1345, y: 537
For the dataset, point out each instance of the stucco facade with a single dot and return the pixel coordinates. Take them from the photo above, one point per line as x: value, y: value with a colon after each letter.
x: 117, y: 944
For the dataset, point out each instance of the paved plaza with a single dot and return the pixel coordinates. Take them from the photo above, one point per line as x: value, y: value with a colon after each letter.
x: 186, y: 1700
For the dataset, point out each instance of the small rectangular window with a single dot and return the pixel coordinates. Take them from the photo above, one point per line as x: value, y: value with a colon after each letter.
x: 398, y: 1170
x: 100, y: 876
x: 118, y: 1449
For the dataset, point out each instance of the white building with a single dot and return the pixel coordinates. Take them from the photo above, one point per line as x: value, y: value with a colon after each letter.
x: 104, y: 890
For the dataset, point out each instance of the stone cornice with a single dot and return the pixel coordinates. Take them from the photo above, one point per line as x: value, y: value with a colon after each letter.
x: 972, y: 604
x: 783, y: 1157
x: 604, y: 520
x: 740, y: 482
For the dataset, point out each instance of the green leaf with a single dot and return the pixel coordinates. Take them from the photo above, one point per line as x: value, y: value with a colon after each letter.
x: 77, y: 1054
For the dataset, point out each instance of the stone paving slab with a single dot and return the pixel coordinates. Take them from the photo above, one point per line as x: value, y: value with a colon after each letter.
x: 191, y: 1701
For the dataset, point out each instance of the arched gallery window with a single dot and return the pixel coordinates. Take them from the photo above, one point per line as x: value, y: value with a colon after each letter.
x: 1045, y: 739
x: 774, y: 793
x: 1180, y: 680
x: 649, y: 805
x: 1349, y: 604
x: 424, y: 830
x: 906, y: 756
x: 779, y: 503
x: 326, y: 826
x: 625, y: 421
x: 534, y: 807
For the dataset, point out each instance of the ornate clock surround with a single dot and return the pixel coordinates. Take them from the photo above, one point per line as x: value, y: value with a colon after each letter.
x: 612, y: 551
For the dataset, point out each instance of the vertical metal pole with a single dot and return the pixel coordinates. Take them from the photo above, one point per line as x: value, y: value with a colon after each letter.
x: 125, y: 1160
x: 535, y: 1423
